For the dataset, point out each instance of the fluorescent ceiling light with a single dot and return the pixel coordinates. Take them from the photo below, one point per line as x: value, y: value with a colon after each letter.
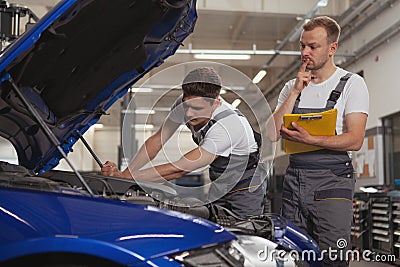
x: 250, y: 52
x: 236, y: 88
x: 98, y: 126
x: 260, y: 75
x: 144, y: 111
x: 222, y: 56
x: 144, y: 126
x: 236, y: 103
x: 140, y: 90
x: 162, y: 109
x: 322, y: 3
x: 225, y: 52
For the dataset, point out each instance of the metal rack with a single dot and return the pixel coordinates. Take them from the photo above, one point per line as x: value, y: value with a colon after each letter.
x: 396, y: 226
x: 385, y: 224
x: 360, y: 228
x: 380, y: 218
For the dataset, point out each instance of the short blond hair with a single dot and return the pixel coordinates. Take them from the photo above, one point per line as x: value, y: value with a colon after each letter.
x: 331, y: 27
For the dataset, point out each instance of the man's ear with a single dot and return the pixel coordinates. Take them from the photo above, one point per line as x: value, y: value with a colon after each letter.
x: 333, y: 48
x: 217, y: 102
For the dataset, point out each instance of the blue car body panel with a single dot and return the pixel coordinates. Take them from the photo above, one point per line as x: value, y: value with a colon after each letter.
x: 96, y: 50
x: 34, y: 222
x: 291, y: 237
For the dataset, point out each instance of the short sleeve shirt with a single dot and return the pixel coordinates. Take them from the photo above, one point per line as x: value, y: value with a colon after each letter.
x: 230, y: 135
x: 354, y: 98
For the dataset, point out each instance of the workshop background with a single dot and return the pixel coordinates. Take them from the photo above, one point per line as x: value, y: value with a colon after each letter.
x: 263, y: 35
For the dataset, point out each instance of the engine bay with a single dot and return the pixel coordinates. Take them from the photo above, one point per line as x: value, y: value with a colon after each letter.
x: 128, y: 190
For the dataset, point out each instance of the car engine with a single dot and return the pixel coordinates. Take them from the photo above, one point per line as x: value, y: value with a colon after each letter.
x: 127, y: 190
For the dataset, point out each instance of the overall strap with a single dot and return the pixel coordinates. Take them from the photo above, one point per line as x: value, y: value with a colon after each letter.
x: 333, y: 97
x: 224, y: 114
x: 335, y: 94
x: 296, y: 104
x: 211, y: 122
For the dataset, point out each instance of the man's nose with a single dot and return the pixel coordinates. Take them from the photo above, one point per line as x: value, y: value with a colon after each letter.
x: 189, y: 112
x: 305, y: 52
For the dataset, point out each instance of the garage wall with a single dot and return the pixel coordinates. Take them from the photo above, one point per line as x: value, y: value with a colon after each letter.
x: 381, y: 67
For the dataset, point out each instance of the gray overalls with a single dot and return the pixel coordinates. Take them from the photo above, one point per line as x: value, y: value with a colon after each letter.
x: 318, y: 189
x: 235, y: 177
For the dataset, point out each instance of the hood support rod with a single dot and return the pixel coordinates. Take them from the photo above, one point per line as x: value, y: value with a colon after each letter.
x: 86, y: 144
x: 53, y: 139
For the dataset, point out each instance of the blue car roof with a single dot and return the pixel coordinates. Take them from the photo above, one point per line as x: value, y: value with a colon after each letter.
x: 76, y: 62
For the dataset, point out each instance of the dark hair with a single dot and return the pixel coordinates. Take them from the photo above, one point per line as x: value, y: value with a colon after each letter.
x: 331, y: 27
x: 201, y: 89
x: 203, y: 81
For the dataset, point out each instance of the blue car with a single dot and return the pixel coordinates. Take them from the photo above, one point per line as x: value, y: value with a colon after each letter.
x: 56, y: 81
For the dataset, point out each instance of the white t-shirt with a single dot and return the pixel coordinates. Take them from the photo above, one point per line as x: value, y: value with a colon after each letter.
x: 230, y: 135
x: 354, y: 98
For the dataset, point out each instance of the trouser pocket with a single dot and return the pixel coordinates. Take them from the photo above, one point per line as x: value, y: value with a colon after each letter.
x: 336, y: 193
x: 345, y: 171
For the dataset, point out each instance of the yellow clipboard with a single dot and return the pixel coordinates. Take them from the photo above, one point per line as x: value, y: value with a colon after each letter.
x: 320, y: 123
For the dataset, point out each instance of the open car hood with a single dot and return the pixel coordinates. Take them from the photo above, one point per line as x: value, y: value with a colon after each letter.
x: 76, y: 62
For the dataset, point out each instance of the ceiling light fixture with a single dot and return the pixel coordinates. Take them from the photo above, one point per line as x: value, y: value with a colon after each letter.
x: 144, y: 126
x: 225, y: 52
x: 249, y: 52
x: 222, y: 56
x: 144, y: 111
x: 260, y: 75
x: 236, y: 103
x: 140, y: 90
x: 322, y: 3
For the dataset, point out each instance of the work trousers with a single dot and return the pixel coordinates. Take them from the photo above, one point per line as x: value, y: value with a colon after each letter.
x: 319, y: 201
x: 245, y: 202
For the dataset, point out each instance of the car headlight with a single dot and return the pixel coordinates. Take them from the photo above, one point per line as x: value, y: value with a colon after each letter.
x: 219, y: 255
x: 261, y: 252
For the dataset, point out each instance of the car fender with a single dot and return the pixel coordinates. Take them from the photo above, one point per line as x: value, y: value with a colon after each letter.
x: 70, y: 244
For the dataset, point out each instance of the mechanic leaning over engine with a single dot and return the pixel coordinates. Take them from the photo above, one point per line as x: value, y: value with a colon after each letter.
x: 226, y: 142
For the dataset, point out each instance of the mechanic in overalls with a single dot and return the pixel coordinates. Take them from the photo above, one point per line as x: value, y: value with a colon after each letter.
x: 226, y: 142
x: 319, y: 185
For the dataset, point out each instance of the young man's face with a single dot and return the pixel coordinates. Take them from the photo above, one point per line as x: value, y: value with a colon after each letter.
x: 315, y: 47
x: 198, y: 110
